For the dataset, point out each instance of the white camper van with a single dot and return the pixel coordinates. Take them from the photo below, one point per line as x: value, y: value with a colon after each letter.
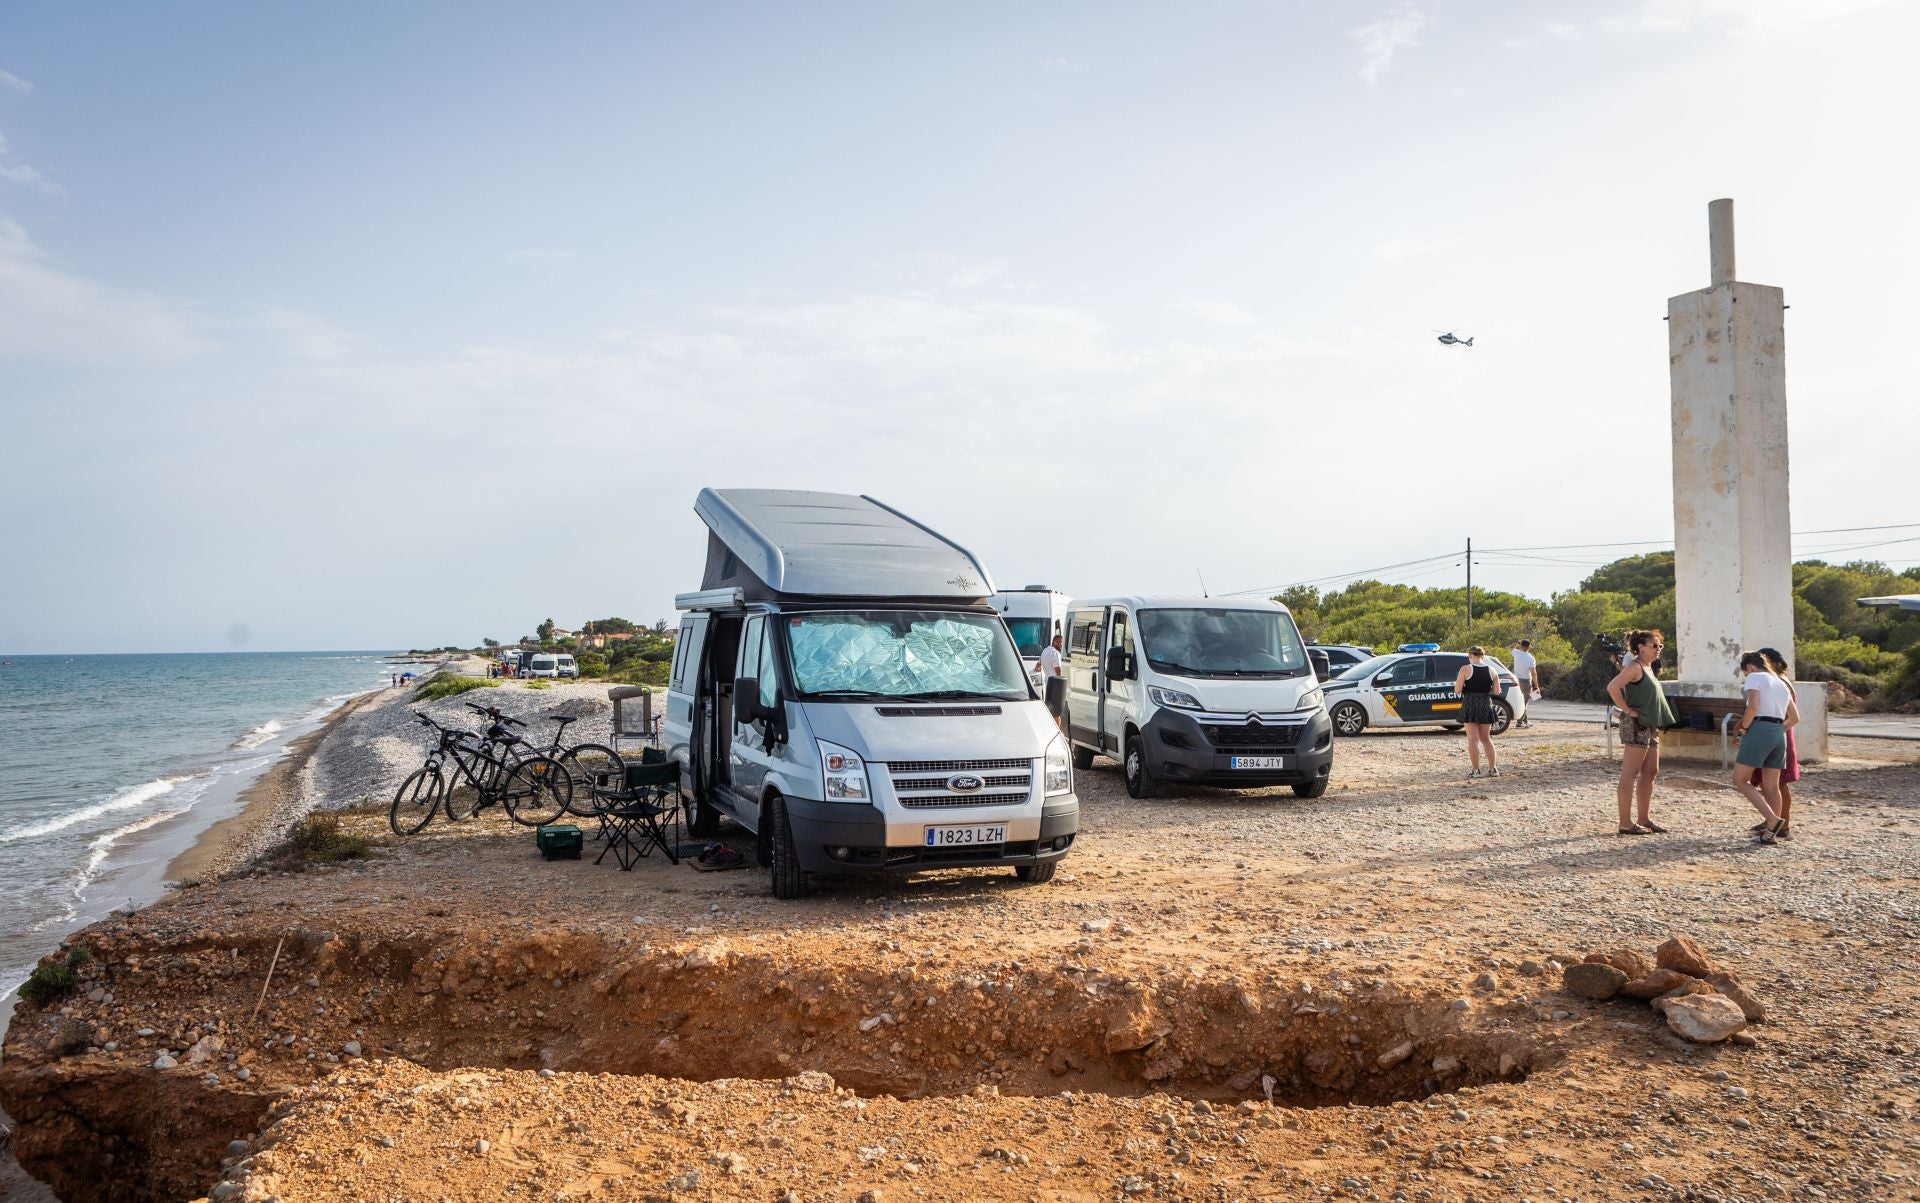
x: 1212, y: 691
x: 1034, y: 615
x: 842, y: 689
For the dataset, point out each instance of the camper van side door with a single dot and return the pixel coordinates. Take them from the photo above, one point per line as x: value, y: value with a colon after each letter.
x: 1084, y: 634
x: 751, y: 753
x: 684, y: 720
x: 1116, y: 706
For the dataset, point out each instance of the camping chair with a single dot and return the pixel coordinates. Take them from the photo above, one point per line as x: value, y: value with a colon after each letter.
x: 634, y: 818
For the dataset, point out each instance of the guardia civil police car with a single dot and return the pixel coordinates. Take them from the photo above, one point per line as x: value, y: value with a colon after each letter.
x: 1413, y: 687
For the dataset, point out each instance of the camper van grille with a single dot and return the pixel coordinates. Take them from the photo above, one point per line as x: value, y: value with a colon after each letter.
x: 1252, y: 736
x: 999, y: 781
x: 899, y: 767
x: 935, y: 711
x: 946, y: 799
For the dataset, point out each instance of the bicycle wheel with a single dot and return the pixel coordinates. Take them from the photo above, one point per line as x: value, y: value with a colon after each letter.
x: 592, y: 766
x: 538, y: 791
x: 464, y: 795
x: 415, y: 800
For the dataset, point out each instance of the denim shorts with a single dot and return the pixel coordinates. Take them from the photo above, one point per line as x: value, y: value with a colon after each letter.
x: 1764, y: 746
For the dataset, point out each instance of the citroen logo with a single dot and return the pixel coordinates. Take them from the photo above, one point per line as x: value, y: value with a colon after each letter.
x: 1253, y: 720
x: 964, y: 783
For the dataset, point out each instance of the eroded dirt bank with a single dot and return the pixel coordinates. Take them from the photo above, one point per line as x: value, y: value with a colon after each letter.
x: 457, y: 1017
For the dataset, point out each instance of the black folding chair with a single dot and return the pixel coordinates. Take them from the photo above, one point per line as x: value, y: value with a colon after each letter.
x: 635, y: 819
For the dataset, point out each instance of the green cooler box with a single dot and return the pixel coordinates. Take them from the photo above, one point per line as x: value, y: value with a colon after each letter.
x: 560, y: 840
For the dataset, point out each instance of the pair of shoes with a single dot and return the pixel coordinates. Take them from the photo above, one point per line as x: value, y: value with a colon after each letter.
x: 1634, y: 829
x: 1475, y: 775
x: 719, y: 855
x: 1651, y: 826
x: 1493, y: 772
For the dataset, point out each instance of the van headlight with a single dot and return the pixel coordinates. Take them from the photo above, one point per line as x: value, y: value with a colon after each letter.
x: 1312, y: 699
x: 1173, y: 698
x: 1059, y: 774
x: 845, y: 773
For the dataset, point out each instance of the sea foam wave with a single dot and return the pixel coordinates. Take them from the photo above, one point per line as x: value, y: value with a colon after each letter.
x: 259, y: 735
x: 126, y: 799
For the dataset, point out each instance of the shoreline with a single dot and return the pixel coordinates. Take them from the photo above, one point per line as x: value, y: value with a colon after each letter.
x: 228, y: 843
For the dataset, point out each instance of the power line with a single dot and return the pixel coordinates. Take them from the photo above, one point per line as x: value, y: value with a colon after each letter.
x: 1337, y: 576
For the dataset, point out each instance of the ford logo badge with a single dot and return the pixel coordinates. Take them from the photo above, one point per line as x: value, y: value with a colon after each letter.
x: 964, y: 783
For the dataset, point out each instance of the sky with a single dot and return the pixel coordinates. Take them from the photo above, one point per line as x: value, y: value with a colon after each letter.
x: 364, y: 325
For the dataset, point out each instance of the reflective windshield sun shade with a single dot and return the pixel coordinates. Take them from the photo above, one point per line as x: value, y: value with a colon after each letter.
x: 904, y: 652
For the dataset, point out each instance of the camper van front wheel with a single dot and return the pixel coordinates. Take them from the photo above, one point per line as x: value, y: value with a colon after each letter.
x: 788, y: 880
x: 1140, y: 782
x: 1033, y: 875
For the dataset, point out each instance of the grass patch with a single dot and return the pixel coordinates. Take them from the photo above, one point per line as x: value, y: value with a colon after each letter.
x: 449, y: 685
x: 537, y: 684
x: 50, y: 983
x: 317, y: 840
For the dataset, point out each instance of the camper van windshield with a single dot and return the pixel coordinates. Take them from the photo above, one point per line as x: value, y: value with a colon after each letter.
x: 904, y: 655
x: 1222, y: 643
x: 1029, y: 634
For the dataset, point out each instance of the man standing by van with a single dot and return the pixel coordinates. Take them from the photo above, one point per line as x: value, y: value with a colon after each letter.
x: 1526, y: 671
x: 1055, y: 695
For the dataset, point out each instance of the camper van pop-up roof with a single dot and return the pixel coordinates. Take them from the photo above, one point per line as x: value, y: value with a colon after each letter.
x: 774, y: 544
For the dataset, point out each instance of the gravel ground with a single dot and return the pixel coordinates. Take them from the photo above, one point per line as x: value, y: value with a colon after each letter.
x: 1408, y: 903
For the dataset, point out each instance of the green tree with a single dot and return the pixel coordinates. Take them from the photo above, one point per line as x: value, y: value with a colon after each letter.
x: 1643, y: 577
x: 545, y: 631
x: 1579, y: 616
x: 489, y: 643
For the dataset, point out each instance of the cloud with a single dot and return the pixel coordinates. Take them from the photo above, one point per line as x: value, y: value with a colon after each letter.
x: 1396, y: 250
x: 9, y: 80
x: 50, y: 312
x: 1748, y: 18
x: 14, y: 171
x: 1224, y: 313
x: 1383, y: 39
x: 538, y: 254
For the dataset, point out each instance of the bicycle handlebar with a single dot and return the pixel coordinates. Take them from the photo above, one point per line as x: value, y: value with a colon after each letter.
x: 493, y: 712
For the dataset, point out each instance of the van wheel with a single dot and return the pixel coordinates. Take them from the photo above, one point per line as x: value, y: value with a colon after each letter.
x: 1502, y: 717
x: 788, y: 880
x: 1082, y: 757
x: 1311, y: 789
x: 1033, y: 875
x: 1140, y: 782
x: 1349, y: 718
x: 702, y: 820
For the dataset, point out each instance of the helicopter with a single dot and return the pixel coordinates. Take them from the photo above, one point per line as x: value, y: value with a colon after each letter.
x: 1448, y: 340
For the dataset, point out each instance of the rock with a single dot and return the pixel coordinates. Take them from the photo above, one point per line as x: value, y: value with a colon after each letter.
x: 1743, y: 1039
x: 351, y: 1048
x: 203, y: 1049
x: 482, y: 1147
x: 871, y: 1196
x: 1653, y: 985
x: 163, y: 1061
x: 1692, y: 985
x: 869, y: 1023
x: 731, y: 1163
x: 1684, y: 954
x: 144, y: 1033
x: 1395, y: 1055
x: 811, y: 1081
x: 1486, y: 981
x: 1135, y: 1024
x: 96, y: 994
x: 1508, y: 1063
x: 1095, y: 924
x: 1593, y: 979
x: 547, y: 1074
x: 1703, y: 1018
x: 1442, y: 1066
x: 1728, y: 983
x: 1626, y: 960
x: 237, y: 1148
x: 707, y: 955
x: 224, y: 1190
x: 687, y: 1181
x: 1529, y: 968
x: 244, y: 1074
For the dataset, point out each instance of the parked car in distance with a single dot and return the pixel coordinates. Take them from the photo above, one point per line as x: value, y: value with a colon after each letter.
x: 1413, y: 688
x: 1340, y: 656
x: 565, y: 664
x: 542, y: 664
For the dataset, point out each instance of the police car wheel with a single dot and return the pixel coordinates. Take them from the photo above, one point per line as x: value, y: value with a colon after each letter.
x: 1502, y: 717
x: 1349, y: 718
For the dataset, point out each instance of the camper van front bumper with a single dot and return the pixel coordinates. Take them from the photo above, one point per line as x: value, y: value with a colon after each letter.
x: 836, y: 837
x: 1210, y: 749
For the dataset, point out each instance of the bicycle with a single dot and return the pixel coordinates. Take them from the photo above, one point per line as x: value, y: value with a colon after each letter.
x: 535, y: 790
x: 590, y: 765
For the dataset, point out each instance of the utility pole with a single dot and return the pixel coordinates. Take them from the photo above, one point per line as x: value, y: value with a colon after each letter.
x: 1469, y: 584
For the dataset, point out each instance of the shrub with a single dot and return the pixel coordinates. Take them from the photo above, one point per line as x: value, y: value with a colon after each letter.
x: 447, y: 685
x: 538, y: 683
x: 317, y: 840
x: 50, y: 982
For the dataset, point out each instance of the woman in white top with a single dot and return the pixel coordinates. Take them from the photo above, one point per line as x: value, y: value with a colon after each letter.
x: 1763, y: 741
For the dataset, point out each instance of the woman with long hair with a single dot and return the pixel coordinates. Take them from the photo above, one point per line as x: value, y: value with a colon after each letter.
x: 1777, y: 664
x: 1763, y: 741
x: 1476, y: 683
x: 1643, y: 712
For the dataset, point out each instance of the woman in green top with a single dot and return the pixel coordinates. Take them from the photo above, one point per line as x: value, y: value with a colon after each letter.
x: 1643, y: 711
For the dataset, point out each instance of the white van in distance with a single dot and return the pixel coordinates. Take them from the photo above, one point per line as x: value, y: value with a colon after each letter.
x: 1034, y: 615
x: 565, y: 665
x: 842, y: 689
x: 542, y: 664
x: 1212, y: 691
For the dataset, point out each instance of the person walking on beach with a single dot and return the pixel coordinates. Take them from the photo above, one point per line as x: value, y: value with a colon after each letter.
x: 1475, y: 683
x: 1777, y: 664
x: 1527, y: 671
x: 1763, y: 741
x: 1643, y: 712
x: 1053, y: 695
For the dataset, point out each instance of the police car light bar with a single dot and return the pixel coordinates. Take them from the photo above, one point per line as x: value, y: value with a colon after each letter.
x: 1419, y: 647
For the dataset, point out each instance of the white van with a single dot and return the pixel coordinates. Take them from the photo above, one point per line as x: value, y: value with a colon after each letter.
x: 565, y: 665
x: 1034, y: 615
x: 543, y: 664
x: 841, y: 689
x: 1211, y: 691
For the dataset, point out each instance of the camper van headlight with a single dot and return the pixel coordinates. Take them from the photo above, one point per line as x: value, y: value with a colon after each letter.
x: 1312, y: 699
x: 845, y: 773
x: 1173, y: 698
x: 1059, y: 767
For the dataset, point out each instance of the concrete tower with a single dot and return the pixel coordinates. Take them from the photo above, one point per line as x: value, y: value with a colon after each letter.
x: 1733, y: 547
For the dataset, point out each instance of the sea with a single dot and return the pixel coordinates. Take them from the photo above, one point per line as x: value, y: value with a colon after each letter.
x: 110, y: 766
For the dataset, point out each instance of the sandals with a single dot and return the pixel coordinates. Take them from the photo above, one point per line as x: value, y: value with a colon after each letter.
x: 1652, y: 826
x: 1635, y: 829
x: 1769, y: 832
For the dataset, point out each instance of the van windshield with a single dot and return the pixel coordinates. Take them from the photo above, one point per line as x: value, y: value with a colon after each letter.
x: 904, y: 655
x: 1222, y: 643
x: 1029, y: 634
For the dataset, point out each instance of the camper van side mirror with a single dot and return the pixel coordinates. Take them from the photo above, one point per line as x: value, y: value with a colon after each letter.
x: 1319, y: 660
x: 1119, y: 665
x: 746, y: 700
